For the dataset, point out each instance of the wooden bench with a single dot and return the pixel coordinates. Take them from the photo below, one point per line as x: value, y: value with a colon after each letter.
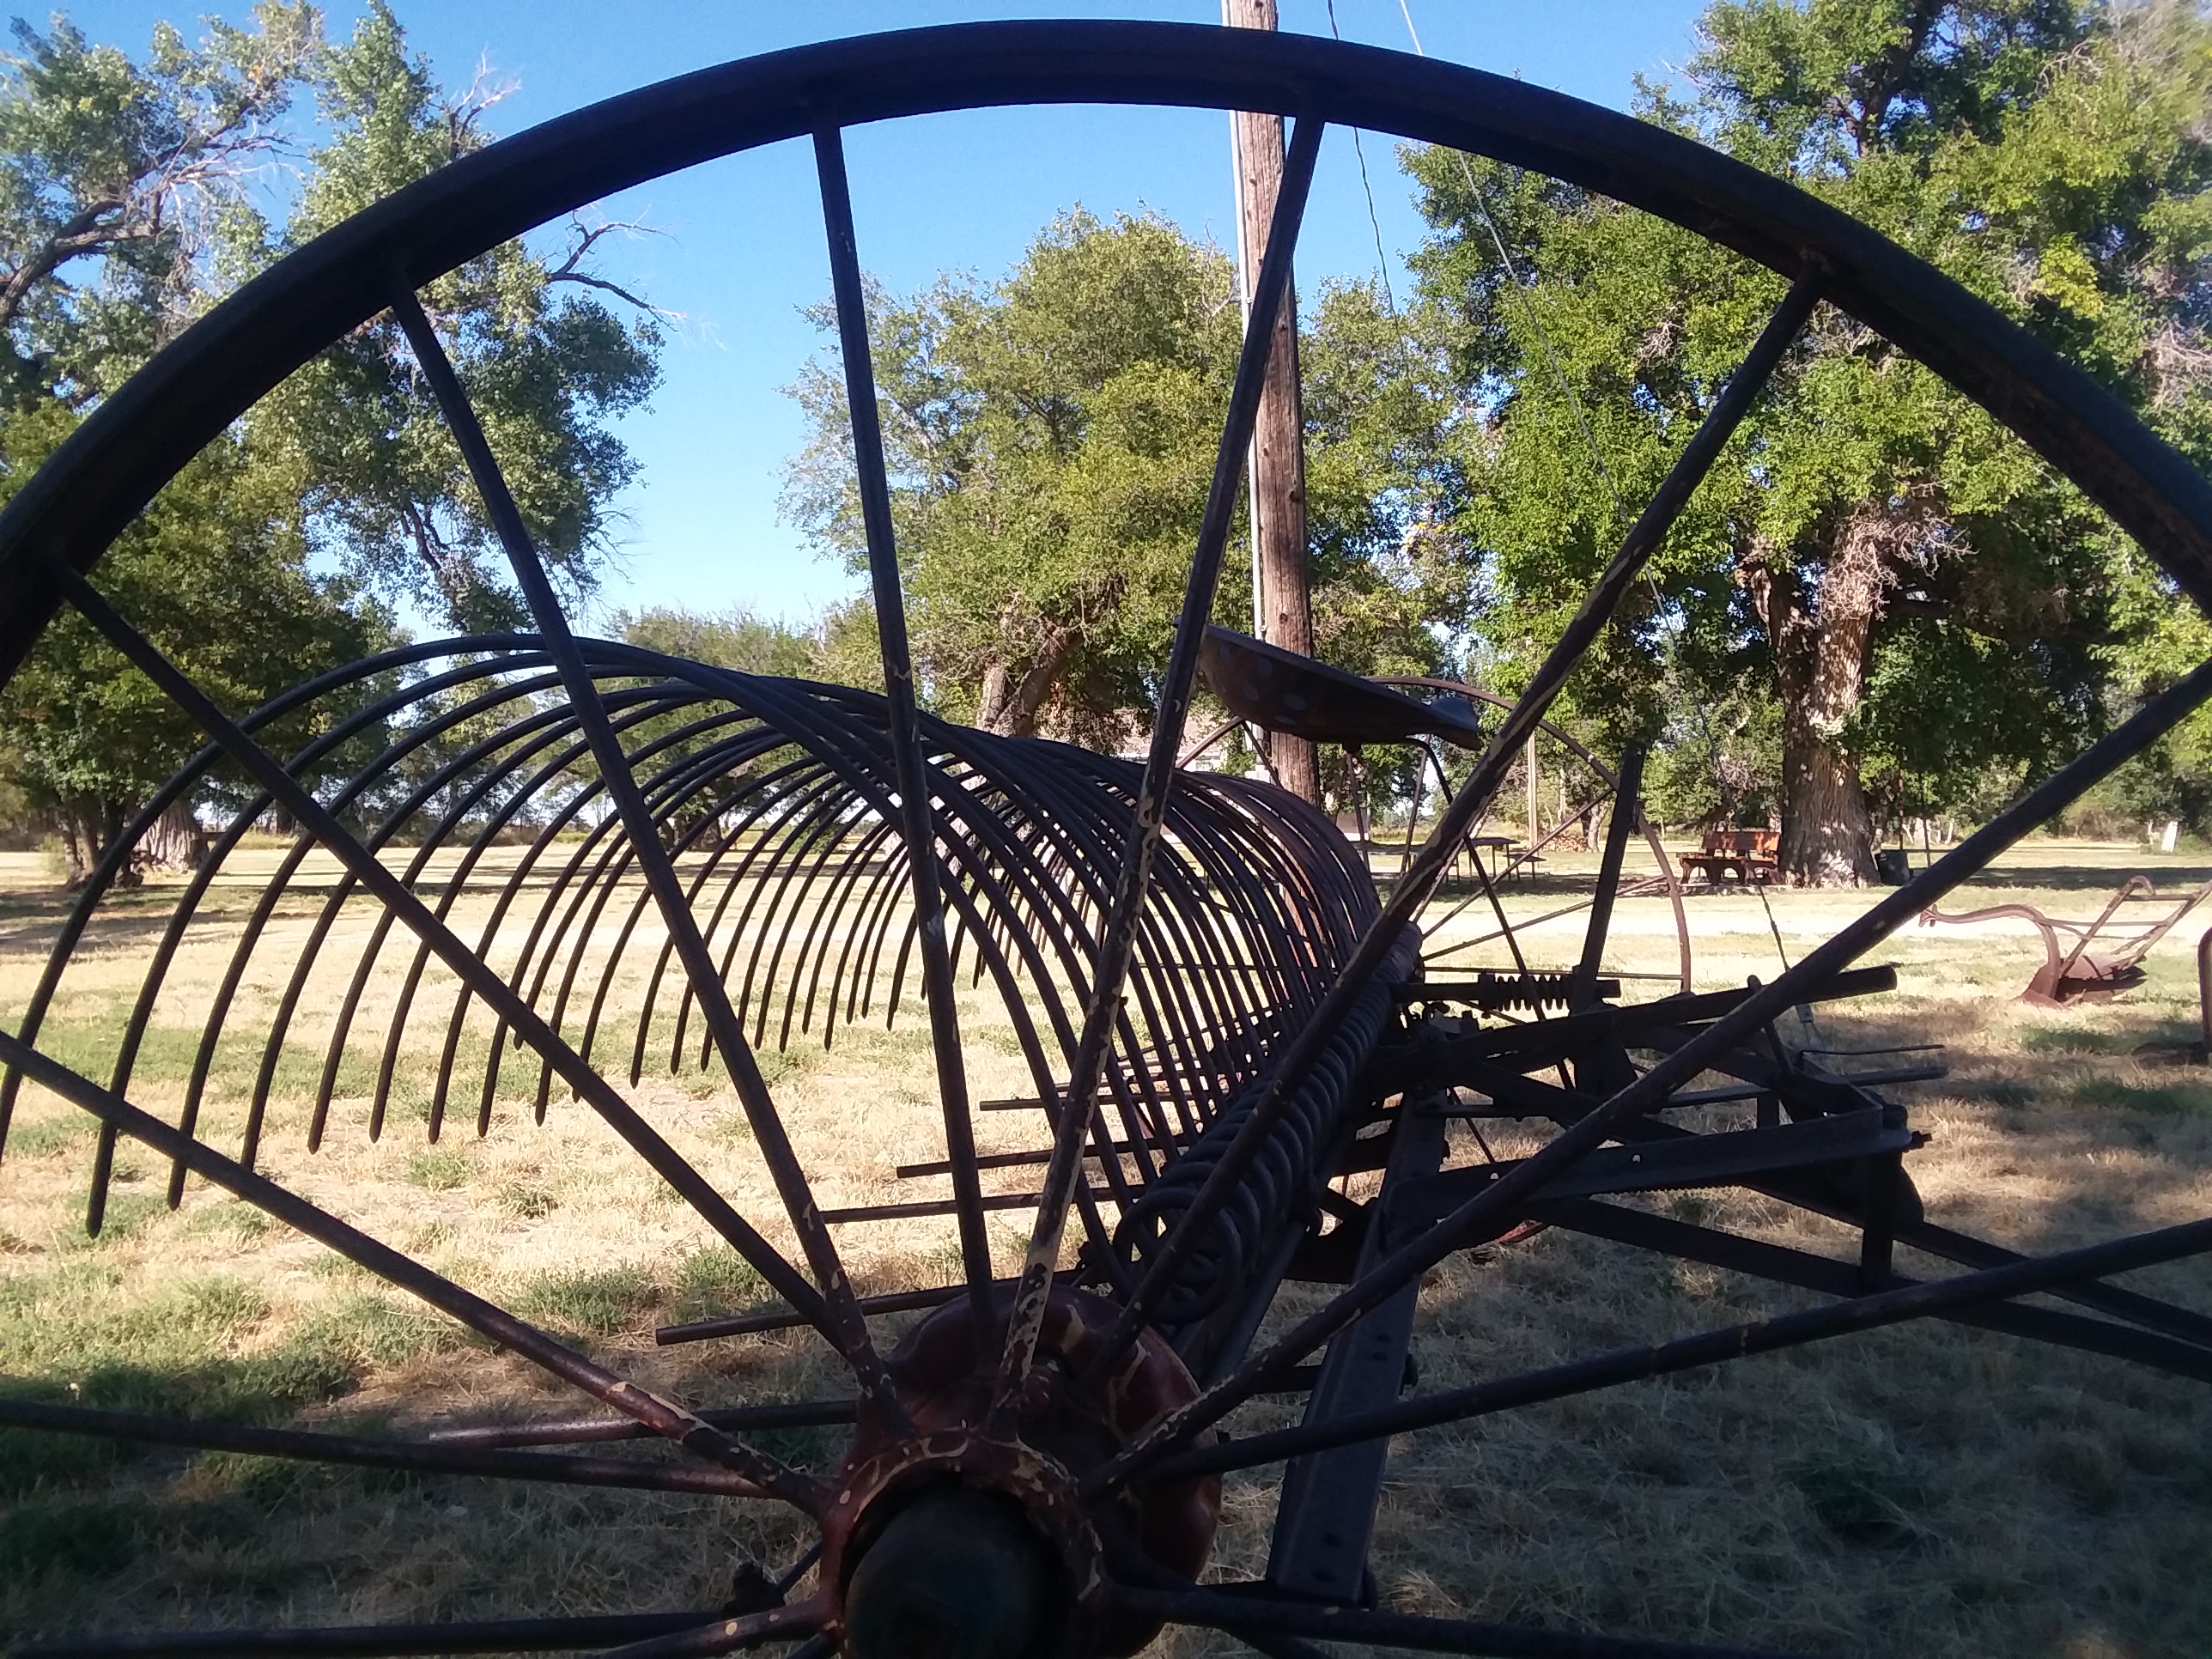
x: 1744, y: 854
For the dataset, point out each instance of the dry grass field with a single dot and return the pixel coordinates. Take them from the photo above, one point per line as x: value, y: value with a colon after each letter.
x: 1924, y: 1491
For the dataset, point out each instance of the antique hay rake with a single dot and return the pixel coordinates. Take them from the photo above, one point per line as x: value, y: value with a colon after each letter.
x: 1219, y: 1014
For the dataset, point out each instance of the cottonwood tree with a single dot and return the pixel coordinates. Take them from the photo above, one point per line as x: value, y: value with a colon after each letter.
x: 1051, y: 437
x: 116, y: 179
x: 1922, y: 600
x: 546, y: 362
x: 130, y: 198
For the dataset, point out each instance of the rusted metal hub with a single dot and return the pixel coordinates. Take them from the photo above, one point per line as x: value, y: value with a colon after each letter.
x: 963, y: 1544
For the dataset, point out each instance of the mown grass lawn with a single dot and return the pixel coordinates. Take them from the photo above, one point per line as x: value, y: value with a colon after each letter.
x: 1920, y: 1490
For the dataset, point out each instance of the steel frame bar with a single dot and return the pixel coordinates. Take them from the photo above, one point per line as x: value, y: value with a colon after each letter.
x: 663, y: 1417
x: 800, y: 1618
x: 1645, y: 1230
x: 1118, y: 936
x: 1226, y: 1608
x: 583, y: 1431
x: 842, y: 1324
x: 370, y: 1641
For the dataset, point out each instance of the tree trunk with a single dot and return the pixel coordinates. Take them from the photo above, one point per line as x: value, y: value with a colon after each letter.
x: 1820, y: 646
x: 175, y: 842
x: 1012, y: 707
x: 1278, y: 459
x: 88, y: 825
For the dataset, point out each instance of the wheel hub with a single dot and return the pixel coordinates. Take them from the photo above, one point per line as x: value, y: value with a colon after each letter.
x: 959, y: 1544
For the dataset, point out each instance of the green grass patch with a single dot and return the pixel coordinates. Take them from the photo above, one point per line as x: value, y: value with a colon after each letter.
x: 716, y: 1280
x: 588, y: 1305
x: 2162, y: 1100
x: 1861, y: 1500
x: 50, y: 1136
x: 2073, y: 1040
x: 526, y: 1200
x: 95, y: 1539
x: 127, y: 1215
x: 439, y: 1169
x: 82, y: 1333
x: 232, y: 1218
x: 372, y: 1328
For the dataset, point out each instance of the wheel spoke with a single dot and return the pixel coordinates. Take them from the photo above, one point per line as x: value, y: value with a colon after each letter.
x: 664, y: 1418
x: 917, y: 816
x: 1407, y: 897
x: 577, y: 1430
x: 1248, y: 1615
x: 844, y: 1327
x: 1507, y: 1194
x: 731, y: 1635
x: 372, y: 1641
x: 396, y: 897
x: 314, y: 1446
x: 1635, y: 1363
x: 1117, y: 939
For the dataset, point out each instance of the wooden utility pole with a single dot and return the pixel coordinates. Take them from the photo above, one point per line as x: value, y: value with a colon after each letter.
x: 1282, y: 600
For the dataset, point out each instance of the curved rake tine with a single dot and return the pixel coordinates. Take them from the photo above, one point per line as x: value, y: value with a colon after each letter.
x: 372, y: 1641
x: 112, y: 858
x: 316, y: 1447
x: 916, y: 818
x: 545, y: 730
x: 1511, y: 1191
x: 1247, y: 1615
x: 181, y: 917
x: 824, y: 798
x: 649, y: 1002
x: 664, y: 1418
x: 550, y: 904
x: 1115, y: 948
x: 1631, y: 1364
x: 1597, y: 610
x: 845, y: 1327
x: 310, y: 813
x: 733, y: 1635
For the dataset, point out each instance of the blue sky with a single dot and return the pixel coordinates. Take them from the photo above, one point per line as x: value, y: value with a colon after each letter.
x: 740, y: 250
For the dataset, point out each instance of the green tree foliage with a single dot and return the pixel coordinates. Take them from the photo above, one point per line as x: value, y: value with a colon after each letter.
x: 1919, y: 599
x: 130, y: 197
x: 547, y: 365
x: 116, y: 178
x: 210, y: 573
x: 1051, y: 437
x: 838, y: 646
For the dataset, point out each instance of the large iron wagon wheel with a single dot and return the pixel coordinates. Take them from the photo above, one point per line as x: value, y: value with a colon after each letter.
x: 1206, y: 993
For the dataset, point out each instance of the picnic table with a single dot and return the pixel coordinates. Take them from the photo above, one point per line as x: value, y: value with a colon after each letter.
x: 1744, y: 854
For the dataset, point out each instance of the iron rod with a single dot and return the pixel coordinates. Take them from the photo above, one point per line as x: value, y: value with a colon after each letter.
x: 314, y: 1446
x: 1860, y: 1313
x: 916, y: 818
